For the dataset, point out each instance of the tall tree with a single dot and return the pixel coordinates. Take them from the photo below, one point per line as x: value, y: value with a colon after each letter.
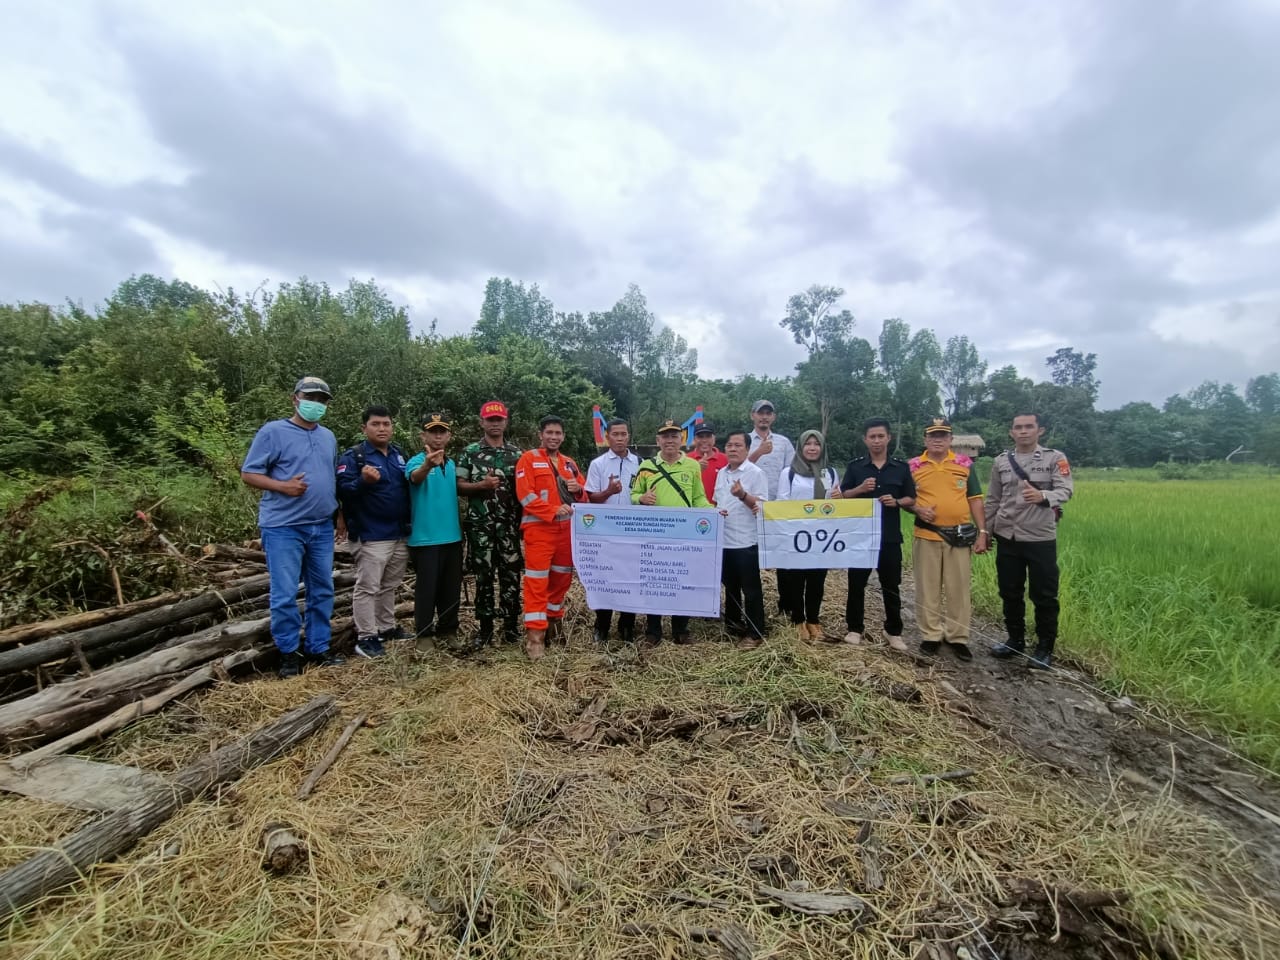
x: 1071, y: 368
x: 812, y: 319
x: 906, y: 360
x: 509, y: 308
x: 961, y: 374
x: 1263, y: 394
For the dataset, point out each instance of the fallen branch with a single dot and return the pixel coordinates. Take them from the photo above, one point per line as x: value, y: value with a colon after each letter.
x: 327, y: 760
x: 71, y: 857
x: 58, y: 647
x: 820, y: 903
x: 27, y: 718
x: 139, y: 708
x: 28, y: 632
x: 225, y: 551
x: 115, y: 575
x: 927, y: 778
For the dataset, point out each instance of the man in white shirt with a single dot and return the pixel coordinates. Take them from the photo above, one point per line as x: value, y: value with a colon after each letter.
x: 769, y: 451
x: 609, y: 481
x: 741, y: 486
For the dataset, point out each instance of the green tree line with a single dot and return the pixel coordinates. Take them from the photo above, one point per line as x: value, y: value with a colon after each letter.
x: 148, y: 402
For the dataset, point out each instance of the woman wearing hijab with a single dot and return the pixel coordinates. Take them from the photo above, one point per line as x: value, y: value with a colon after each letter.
x: 808, y: 478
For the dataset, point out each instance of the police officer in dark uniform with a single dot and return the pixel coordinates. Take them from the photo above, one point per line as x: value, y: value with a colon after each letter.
x: 1029, y: 484
x: 887, y: 479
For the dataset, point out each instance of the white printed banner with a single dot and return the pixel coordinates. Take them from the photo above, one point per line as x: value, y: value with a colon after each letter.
x: 655, y: 560
x: 819, y: 534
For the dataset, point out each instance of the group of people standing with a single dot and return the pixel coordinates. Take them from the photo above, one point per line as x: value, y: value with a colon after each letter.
x: 398, y: 510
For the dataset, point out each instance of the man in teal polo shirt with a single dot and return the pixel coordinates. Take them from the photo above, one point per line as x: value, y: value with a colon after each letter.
x: 435, y: 536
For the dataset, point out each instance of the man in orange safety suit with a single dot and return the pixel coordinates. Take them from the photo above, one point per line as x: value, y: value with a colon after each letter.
x: 547, y: 483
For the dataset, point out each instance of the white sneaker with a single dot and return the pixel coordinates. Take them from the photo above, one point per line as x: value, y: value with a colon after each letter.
x: 853, y: 637
x: 895, y: 643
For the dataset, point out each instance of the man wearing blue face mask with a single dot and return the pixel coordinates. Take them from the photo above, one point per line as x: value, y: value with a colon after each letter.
x: 292, y: 461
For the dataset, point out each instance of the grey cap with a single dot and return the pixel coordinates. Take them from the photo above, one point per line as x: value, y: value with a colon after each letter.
x: 312, y: 385
x: 761, y: 404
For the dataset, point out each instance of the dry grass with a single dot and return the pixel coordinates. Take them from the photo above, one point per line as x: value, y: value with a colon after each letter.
x: 465, y: 790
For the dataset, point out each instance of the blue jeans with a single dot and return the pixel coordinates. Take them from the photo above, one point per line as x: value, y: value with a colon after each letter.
x: 300, y: 553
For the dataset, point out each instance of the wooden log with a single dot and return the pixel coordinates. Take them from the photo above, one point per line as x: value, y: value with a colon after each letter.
x: 37, y: 729
x: 125, y: 715
x: 58, y: 647
x: 29, y: 632
x: 327, y: 760
x: 20, y: 718
x: 225, y: 551
x: 115, y: 833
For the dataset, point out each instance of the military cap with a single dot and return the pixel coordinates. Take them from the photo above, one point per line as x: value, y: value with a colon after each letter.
x: 670, y: 426
x: 435, y: 421
x: 938, y: 425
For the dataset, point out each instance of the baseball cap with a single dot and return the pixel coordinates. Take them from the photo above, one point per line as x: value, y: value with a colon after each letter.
x: 670, y: 426
x: 435, y: 421
x: 312, y: 385
x: 704, y: 427
x: 494, y: 408
x: 938, y: 425
x: 761, y: 404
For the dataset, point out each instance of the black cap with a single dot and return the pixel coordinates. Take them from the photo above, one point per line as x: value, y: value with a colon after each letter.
x: 670, y: 426
x: 435, y: 421
x: 704, y: 427
x: 938, y: 425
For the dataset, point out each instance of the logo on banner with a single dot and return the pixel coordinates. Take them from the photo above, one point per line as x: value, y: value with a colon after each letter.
x: 808, y: 508
x: 588, y: 519
x: 703, y: 525
x: 828, y: 509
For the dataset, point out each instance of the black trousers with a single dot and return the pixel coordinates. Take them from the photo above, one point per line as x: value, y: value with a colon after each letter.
x: 743, y: 594
x: 653, y: 626
x: 437, y: 589
x: 801, y: 592
x: 1020, y: 561
x: 626, y: 621
x: 889, y: 573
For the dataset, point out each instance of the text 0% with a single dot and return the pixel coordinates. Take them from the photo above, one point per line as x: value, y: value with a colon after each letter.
x: 826, y: 541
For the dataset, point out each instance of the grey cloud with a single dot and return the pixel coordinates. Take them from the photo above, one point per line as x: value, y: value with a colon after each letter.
x: 281, y: 177
x: 86, y: 258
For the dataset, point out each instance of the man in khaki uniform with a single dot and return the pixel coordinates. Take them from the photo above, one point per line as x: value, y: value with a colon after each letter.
x: 948, y: 499
x: 1029, y: 484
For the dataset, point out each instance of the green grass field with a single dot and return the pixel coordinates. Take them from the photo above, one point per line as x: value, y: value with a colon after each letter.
x: 1171, y: 590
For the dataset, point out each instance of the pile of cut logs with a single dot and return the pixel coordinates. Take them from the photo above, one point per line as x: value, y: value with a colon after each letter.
x: 73, y: 679
x: 69, y: 682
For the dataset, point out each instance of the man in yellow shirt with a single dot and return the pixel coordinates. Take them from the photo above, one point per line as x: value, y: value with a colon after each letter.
x: 669, y: 479
x: 948, y: 504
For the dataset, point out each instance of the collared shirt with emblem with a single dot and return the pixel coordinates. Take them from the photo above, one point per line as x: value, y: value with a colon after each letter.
x: 676, y: 484
x: 1010, y: 516
x: 894, y: 478
x: 947, y: 487
x: 740, y: 521
x: 607, y: 465
x: 496, y: 506
x: 539, y: 476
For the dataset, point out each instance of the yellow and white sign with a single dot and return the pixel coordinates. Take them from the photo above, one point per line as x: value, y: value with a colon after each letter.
x: 819, y: 534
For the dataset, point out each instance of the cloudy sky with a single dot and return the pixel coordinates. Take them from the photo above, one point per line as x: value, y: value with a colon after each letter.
x: 1100, y: 175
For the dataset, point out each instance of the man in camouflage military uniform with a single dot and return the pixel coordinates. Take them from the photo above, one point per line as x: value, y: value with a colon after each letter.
x: 486, y: 477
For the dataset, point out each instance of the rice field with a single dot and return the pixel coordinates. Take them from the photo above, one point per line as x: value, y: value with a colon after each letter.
x: 1171, y: 590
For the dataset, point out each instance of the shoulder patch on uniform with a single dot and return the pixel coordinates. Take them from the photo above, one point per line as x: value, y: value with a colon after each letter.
x: 1064, y: 468
x: 519, y: 473
x: 342, y: 468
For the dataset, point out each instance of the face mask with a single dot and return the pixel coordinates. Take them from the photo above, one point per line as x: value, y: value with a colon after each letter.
x: 311, y: 410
